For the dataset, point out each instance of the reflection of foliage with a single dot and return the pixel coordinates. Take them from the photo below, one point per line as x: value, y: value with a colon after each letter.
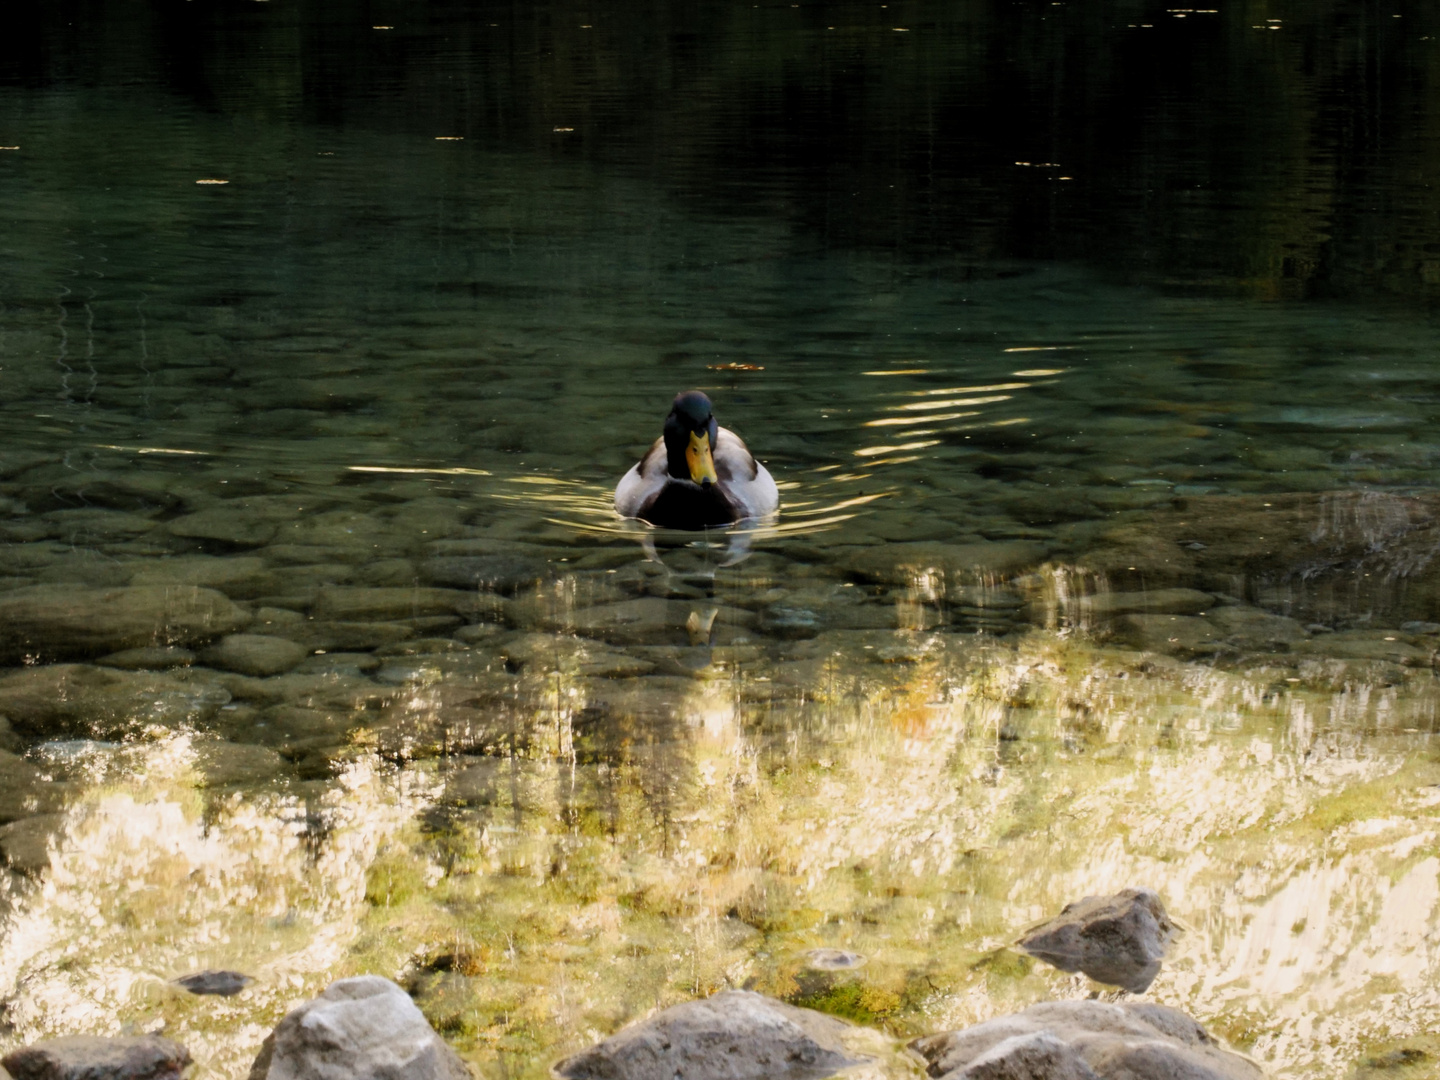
x: 1209, y: 151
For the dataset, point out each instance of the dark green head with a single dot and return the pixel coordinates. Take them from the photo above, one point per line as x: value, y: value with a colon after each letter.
x: 690, y: 434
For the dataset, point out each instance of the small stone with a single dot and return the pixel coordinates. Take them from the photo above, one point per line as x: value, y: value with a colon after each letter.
x: 365, y: 1028
x: 834, y: 960
x: 734, y: 1035
x: 90, y: 1057
x: 219, y: 983
x: 1120, y: 939
x: 502, y: 572
x: 254, y: 654
x: 148, y: 658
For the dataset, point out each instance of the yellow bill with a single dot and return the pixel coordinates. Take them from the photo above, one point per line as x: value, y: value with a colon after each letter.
x: 697, y: 456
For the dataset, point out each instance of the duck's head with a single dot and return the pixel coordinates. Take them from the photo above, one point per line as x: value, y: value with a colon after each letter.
x: 690, y: 432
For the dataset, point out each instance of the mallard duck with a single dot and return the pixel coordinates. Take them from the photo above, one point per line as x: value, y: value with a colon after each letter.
x: 697, y: 475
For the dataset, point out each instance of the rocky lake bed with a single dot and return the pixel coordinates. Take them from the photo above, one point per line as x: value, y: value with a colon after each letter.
x: 403, y: 728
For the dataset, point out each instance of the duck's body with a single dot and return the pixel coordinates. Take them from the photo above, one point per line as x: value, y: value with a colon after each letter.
x: 697, y: 475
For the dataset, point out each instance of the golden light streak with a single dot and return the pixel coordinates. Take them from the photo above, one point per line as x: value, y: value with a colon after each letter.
x: 859, y: 500
x: 902, y: 371
x: 905, y: 421
x: 951, y: 403
x: 428, y: 472
x: 212, y: 181
x: 449, y: 138
x: 1040, y: 372
x: 876, y: 451
x: 1041, y: 348
x: 969, y: 389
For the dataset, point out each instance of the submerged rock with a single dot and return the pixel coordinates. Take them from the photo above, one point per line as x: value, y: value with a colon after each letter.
x: 219, y: 983
x: 1084, y: 1040
x: 90, y: 1057
x: 234, y: 526
x: 735, y: 1035
x: 1174, y: 635
x: 102, y: 703
x: 26, y: 844
x: 65, y: 621
x: 1109, y: 605
x: 25, y: 791
x: 1120, y: 939
x: 254, y: 654
x: 148, y: 658
x: 365, y: 1028
x: 502, y: 571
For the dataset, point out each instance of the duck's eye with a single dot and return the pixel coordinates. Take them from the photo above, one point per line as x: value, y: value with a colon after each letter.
x: 697, y: 456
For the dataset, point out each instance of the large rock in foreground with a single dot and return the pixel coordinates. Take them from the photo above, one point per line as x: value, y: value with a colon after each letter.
x: 365, y: 1028
x: 1084, y: 1040
x: 59, y: 621
x: 1120, y: 939
x: 90, y: 1057
x: 735, y: 1035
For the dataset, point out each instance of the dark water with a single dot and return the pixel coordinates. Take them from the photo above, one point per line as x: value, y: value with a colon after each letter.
x: 1092, y: 347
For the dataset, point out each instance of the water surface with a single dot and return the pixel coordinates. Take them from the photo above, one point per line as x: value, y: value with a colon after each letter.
x: 1093, y: 352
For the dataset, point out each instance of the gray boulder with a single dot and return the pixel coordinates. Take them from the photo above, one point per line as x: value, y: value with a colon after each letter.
x: 735, y: 1035
x: 1084, y: 1040
x: 66, y: 621
x: 365, y: 1028
x: 90, y: 1057
x: 1120, y: 939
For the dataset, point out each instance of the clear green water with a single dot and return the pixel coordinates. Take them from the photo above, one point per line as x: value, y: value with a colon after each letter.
x: 455, y: 273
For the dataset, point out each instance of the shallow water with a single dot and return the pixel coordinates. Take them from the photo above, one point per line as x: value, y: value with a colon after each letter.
x: 1107, y: 551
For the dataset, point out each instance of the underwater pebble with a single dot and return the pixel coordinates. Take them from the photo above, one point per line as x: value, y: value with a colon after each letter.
x: 902, y: 564
x: 223, y: 763
x: 103, y: 703
x: 254, y: 654
x: 66, y: 621
x: 25, y: 790
x: 834, y: 960
x: 235, y: 526
x: 1173, y: 635
x: 1109, y: 605
x: 25, y: 844
x: 149, y: 658
x: 220, y: 983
